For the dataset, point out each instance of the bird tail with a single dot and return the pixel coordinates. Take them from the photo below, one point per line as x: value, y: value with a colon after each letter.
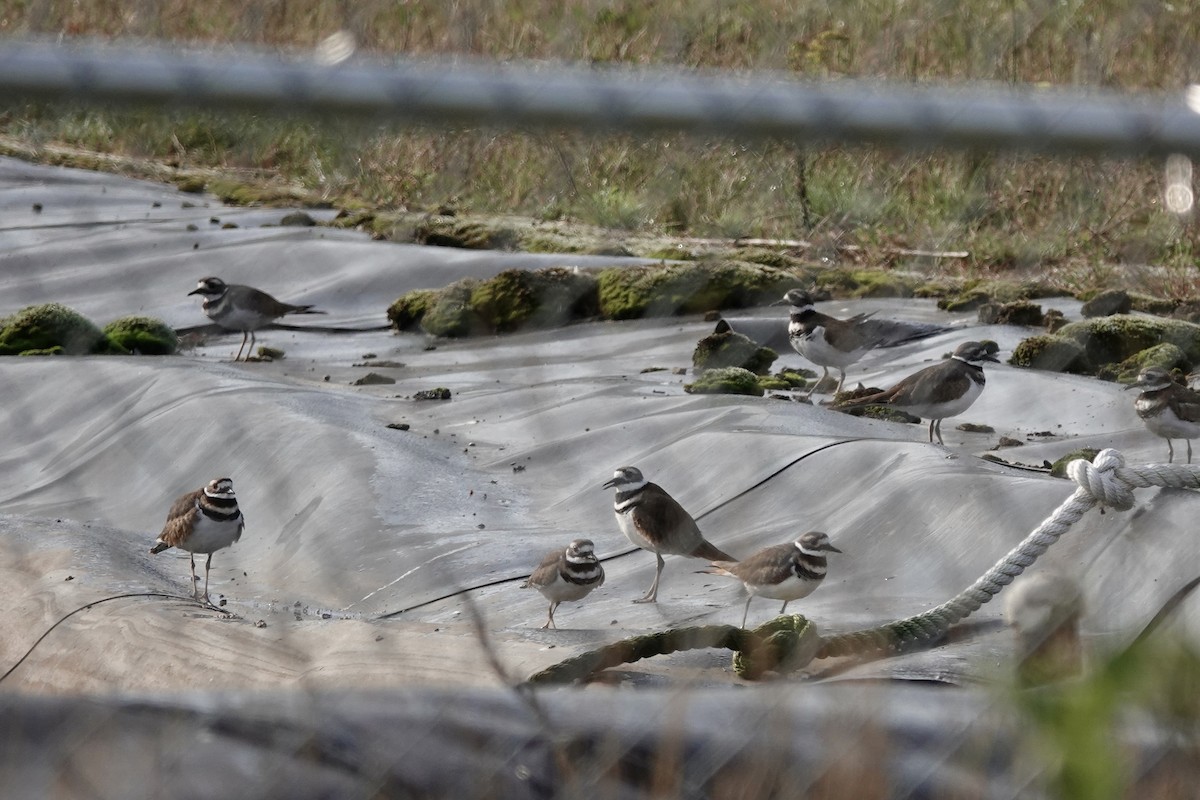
x: 709, y: 552
x: 159, y: 547
x: 718, y: 568
x: 304, y: 310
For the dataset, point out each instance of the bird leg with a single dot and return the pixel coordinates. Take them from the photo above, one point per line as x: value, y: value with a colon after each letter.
x: 245, y: 335
x: 936, y: 425
x: 746, y: 613
x: 192, y: 557
x: 550, y: 620
x: 841, y: 381
x: 652, y: 595
x: 1189, y: 444
x: 207, y: 564
x: 1170, y: 452
x: 817, y: 383
x: 784, y: 609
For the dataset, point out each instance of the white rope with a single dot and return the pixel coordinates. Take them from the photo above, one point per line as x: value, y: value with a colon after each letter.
x: 1106, y: 482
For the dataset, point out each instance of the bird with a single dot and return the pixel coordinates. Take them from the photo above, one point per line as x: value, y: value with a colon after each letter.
x: 652, y: 520
x: 824, y: 340
x: 1169, y: 410
x: 203, y: 521
x: 242, y: 308
x: 784, y: 572
x: 569, y: 574
x: 934, y: 393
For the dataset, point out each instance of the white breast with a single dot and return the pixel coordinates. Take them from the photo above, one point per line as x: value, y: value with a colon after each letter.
x: 1167, y: 425
x: 210, y: 535
x: 793, y: 588
x: 625, y: 521
x: 814, y: 347
x: 950, y: 408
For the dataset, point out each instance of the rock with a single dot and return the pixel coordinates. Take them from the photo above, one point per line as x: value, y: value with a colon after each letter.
x: 1105, y: 304
x: 1111, y: 340
x: 146, y: 335
x: 372, y: 379
x: 727, y: 348
x: 1050, y: 352
x: 1059, y: 468
x: 1018, y: 312
x: 1165, y: 355
x: 298, y: 219
x: 1054, y: 320
x: 726, y: 380
x: 48, y: 326
x: 440, y: 393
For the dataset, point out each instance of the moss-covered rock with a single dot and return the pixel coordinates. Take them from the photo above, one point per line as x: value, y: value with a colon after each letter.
x: 47, y: 351
x: 518, y: 298
x: 869, y: 282
x: 409, y: 309
x: 688, y: 288
x: 449, y: 312
x: 1107, y: 303
x: 472, y: 234
x: 1020, y: 312
x: 48, y: 326
x: 1111, y: 340
x: 145, y: 335
x: 1050, y: 352
x: 1165, y: 355
x: 726, y: 348
x: 727, y: 380
x: 1059, y: 468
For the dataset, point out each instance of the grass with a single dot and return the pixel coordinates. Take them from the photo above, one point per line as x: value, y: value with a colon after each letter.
x: 1083, y: 220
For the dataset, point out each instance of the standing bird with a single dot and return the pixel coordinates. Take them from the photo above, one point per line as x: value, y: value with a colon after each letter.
x: 569, y: 574
x: 203, y: 521
x: 1168, y: 409
x: 824, y: 340
x: 784, y: 572
x: 242, y: 308
x: 652, y: 520
x: 934, y: 393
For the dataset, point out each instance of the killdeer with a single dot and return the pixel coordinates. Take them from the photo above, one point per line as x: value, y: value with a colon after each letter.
x: 203, y: 521
x: 934, y: 393
x: 784, y: 572
x: 824, y: 340
x: 652, y: 520
x: 242, y: 308
x: 1168, y: 409
x: 569, y: 574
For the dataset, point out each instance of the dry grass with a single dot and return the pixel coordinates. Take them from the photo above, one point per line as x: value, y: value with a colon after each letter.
x: 1079, y: 218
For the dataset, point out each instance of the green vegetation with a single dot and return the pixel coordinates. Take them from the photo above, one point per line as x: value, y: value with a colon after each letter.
x: 725, y: 380
x: 725, y: 348
x: 145, y: 335
x: 51, y: 328
x: 927, y: 213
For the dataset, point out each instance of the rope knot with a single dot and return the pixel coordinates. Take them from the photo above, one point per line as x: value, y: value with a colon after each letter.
x: 1099, y: 479
x: 783, y: 644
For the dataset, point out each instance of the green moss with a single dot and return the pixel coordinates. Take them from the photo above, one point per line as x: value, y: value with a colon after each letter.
x: 878, y: 283
x: 730, y: 349
x: 1050, y: 352
x: 145, y: 335
x: 666, y: 289
x: 1059, y: 468
x: 193, y: 184
x: 449, y: 312
x: 965, y: 301
x: 1151, y: 305
x: 48, y: 326
x: 543, y: 298
x: 477, y: 234
x: 727, y: 380
x: 974, y: 293
x: 1165, y: 355
x: 46, y: 351
x: 409, y: 309
x: 1019, y: 312
x: 270, y: 353
x: 1110, y: 340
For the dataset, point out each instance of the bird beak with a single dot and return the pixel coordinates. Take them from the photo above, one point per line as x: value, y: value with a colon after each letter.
x: 831, y: 548
x: 611, y: 484
x: 990, y: 357
x: 779, y: 302
x: 1134, y: 385
x: 195, y: 291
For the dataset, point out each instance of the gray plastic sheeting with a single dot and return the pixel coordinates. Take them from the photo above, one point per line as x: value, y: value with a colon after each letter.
x: 351, y: 519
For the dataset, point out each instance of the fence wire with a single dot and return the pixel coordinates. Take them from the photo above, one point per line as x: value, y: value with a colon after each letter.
x: 642, y: 101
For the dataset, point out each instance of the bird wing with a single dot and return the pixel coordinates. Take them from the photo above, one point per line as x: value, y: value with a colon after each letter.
x: 766, y: 567
x: 545, y: 572
x: 175, y: 531
x: 1185, y: 403
x: 846, y: 336
x: 921, y: 387
x: 184, y: 504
